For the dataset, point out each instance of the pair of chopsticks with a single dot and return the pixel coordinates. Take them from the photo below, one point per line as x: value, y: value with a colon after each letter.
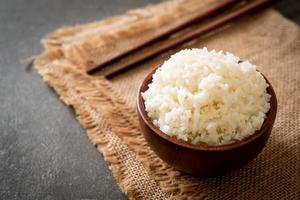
x: 214, y: 17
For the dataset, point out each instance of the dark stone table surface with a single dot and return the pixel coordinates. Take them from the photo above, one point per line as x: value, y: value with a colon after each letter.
x: 44, y: 152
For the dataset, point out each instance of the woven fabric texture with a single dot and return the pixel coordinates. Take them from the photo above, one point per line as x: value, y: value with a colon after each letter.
x: 106, y: 108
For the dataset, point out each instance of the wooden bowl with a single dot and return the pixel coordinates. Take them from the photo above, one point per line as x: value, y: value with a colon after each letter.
x: 204, y: 160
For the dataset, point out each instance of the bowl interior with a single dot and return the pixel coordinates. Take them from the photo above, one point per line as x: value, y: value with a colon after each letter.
x: 267, y: 122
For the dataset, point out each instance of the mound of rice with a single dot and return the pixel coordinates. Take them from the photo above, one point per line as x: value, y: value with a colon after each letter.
x: 202, y: 96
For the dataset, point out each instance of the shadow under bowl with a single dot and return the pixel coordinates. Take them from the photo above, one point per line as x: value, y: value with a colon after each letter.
x: 204, y: 160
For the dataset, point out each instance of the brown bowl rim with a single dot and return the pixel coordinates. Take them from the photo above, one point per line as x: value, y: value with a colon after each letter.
x: 271, y: 115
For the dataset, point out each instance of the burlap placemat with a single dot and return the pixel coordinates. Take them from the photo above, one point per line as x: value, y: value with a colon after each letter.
x: 106, y: 108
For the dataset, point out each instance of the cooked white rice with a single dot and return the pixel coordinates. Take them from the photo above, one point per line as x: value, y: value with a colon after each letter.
x: 207, y: 96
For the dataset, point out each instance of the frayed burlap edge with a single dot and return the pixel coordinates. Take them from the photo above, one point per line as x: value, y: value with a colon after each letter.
x: 123, y: 163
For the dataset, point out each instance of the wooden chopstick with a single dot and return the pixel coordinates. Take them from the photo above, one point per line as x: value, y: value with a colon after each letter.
x: 146, y: 53
x: 214, y: 9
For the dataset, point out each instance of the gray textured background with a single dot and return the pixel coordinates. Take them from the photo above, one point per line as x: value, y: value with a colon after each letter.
x: 44, y: 152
